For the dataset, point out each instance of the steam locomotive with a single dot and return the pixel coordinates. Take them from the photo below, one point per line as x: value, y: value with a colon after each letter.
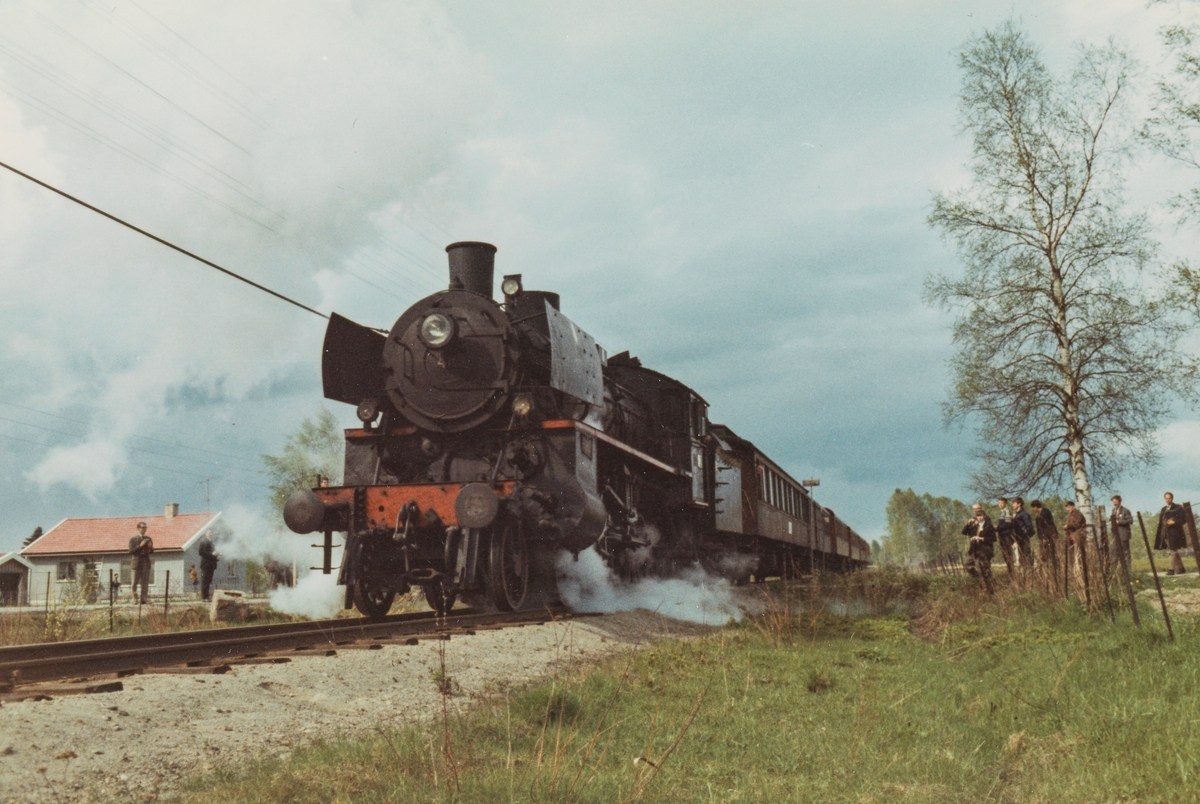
x: 496, y: 436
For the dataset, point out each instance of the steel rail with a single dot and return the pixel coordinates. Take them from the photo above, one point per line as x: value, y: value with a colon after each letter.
x: 28, y: 664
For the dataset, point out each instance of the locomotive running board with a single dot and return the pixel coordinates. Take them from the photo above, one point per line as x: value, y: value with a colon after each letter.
x: 562, y: 424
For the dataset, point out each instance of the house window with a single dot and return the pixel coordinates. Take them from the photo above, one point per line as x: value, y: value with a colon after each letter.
x: 66, y: 570
x: 231, y: 569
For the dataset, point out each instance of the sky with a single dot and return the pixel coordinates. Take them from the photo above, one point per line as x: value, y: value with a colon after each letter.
x: 735, y: 192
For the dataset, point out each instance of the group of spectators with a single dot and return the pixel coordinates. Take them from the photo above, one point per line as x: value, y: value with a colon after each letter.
x: 1015, y: 529
x: 140, y: 548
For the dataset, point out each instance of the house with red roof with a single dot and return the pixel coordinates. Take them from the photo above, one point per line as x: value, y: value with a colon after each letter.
x: 77, y: 559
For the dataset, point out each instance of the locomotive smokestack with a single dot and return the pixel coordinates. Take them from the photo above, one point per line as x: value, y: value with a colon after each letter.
x: 472, y: 266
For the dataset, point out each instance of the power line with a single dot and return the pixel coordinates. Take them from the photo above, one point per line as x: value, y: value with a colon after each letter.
x: 62, y: 117
x: 131, y: 463
x: 135, y: 449
x: 97, y: 54
x: 148, y: 42
x: 139, y: 437
x: 130, y: 120
x: 193, y: 47
x: 166, y: 243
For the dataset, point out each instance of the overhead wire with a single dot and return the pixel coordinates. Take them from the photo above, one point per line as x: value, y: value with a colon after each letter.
x: 135, y: 449
x: 406, y: 275
x: 166, y: 243
x: 98, y: 55
x: 134, y: 463
x: 128, y: 118
x: 138, y: 437
x: 83, y: 128
x: 200, y: 52
x: 148, y: 42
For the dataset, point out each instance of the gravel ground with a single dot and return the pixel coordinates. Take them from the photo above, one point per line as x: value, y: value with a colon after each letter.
x: 140, y: 743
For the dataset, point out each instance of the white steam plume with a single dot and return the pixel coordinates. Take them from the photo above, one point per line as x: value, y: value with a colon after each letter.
x: 587, y: 584
x: 315, y: 596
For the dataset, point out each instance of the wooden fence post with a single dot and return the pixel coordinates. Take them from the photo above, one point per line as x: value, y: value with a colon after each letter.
x: 1102, y: 557
x: 1125, y: 573
x: 1157, y: 584
x: 167, y: 594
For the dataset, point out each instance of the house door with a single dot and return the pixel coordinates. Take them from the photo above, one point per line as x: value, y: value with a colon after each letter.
x: 10, y: 588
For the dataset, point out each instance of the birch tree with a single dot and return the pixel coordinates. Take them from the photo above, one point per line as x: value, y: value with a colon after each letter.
x: 1062, y: 360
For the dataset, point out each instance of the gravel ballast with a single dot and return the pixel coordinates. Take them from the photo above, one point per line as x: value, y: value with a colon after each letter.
x: 142, y: 742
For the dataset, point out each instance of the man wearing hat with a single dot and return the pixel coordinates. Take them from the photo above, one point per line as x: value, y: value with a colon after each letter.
x: 208, y: 565
x: 140, y: 547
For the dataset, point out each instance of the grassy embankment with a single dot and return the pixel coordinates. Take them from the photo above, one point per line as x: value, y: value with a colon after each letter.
x: 1009, y: 699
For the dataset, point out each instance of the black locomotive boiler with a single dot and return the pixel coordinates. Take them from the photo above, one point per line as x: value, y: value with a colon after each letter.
x: 496, y: 435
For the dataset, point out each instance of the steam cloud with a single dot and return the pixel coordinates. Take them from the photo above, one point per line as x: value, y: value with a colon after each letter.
x: 587, y: 584
x: 315, y: 596
x: 253, y: 536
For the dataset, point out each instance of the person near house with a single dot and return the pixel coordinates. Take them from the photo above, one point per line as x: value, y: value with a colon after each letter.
x: 1121, y: 521
x: 1170, y: 533
x: 979, y: 547
x: 208, y: 565
x: 140, y: 547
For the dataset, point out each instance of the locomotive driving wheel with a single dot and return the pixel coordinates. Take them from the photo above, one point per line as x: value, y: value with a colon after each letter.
x: 372, y: 601
x: 509, y: 567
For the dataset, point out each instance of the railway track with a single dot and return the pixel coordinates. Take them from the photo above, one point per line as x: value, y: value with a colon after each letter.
x: 96, y: 665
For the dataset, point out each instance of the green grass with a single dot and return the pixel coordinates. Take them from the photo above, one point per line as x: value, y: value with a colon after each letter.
x: 1000, y: 700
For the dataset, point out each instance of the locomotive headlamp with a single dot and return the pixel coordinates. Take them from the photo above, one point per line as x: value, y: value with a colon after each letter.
x: 368, y: 410
x: 511, y: 285
x: 437, y: 330
x: 522, y: 405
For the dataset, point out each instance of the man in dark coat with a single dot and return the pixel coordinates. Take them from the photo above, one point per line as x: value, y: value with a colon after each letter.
x: 1121, y: 523
x: 140, y: 547
x: 1047, y: 533
x: 1004, y: 532
x: 1075, y: 546
x: 208, y: 565
x: 1170, y: 533
x: 980, y: 546
x: 1022, y: 525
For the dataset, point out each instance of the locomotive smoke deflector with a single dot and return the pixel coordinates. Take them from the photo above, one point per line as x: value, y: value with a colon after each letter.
x: 472, y: 266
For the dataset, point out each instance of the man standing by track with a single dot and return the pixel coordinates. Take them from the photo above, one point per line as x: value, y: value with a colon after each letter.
x: 140, y: 547
x: 208, y: 565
